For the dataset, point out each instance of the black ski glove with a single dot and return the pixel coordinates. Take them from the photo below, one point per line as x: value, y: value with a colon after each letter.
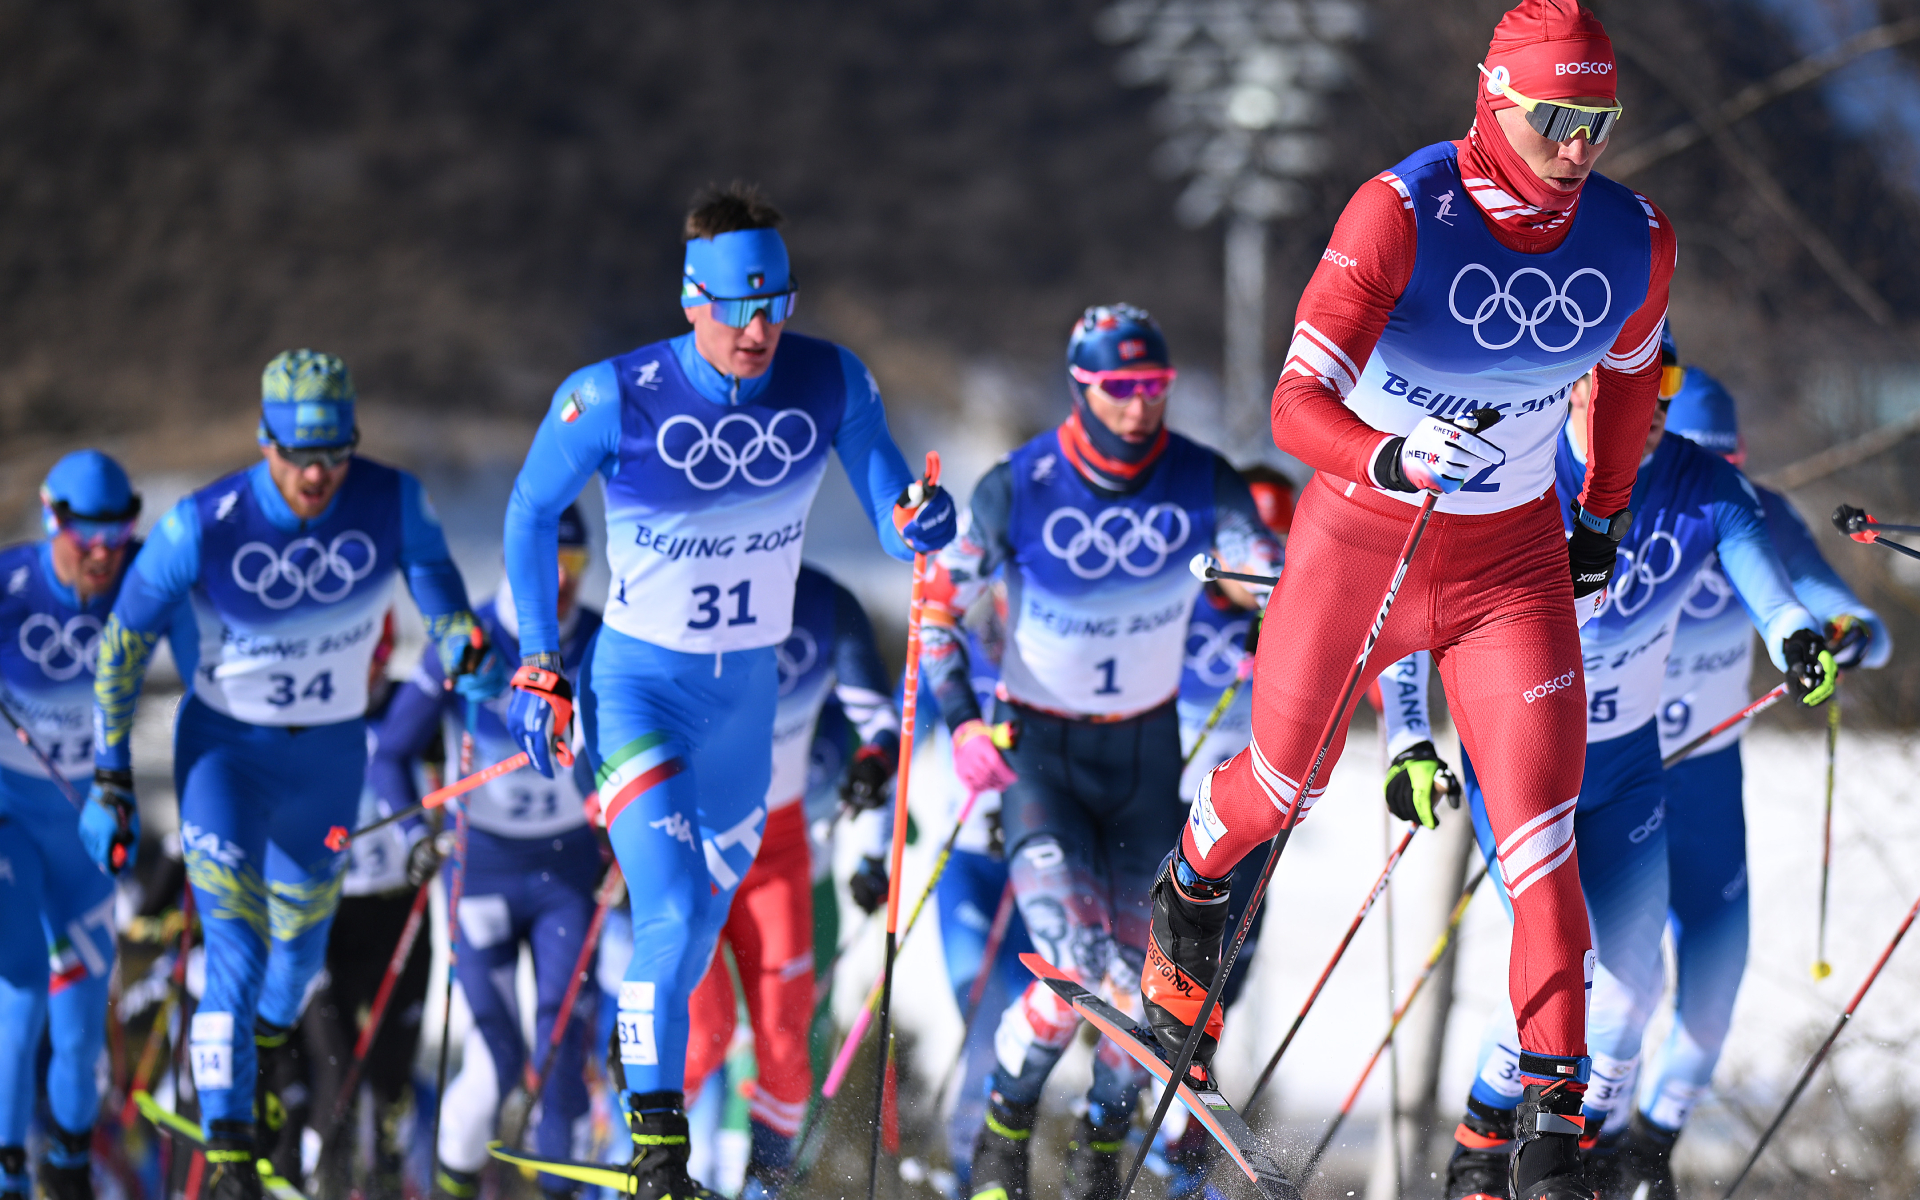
x: 1593, y: 548
x: 422, y: 861
x: 869, y: 884
x: 1811, y: 673
x: 1414, y: 778
x: 873, y: 766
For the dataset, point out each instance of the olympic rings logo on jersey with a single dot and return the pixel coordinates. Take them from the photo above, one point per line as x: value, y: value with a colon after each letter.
x: 1635, y: 578
x: 1720, y: 594
x: 60, y: 651
x: 1528, y: 320
x: 1216, y: 661
x: 1154, y: 530
x: 737, y: 451
x: 794, y: 657
x: 306, y: 567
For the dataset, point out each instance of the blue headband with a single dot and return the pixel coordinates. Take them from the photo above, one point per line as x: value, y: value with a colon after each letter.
x: 731, y: 266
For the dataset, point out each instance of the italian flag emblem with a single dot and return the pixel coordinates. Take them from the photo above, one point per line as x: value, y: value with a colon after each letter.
x: 570, y: 410
x: 641, y: 764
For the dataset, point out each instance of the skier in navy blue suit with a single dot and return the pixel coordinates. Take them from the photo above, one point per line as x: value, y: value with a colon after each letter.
x: 288, y: 567
x: 712, y: 445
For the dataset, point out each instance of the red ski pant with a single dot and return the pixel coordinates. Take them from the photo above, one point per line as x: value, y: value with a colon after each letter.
x: 770, y: 930
x: 1492, y: 597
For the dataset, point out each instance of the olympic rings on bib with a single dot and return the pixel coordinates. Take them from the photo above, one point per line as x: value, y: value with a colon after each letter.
x: 1216, y: 661
x: 1635, y: 578
x: 793, y: 658
x: 60, y: 651
x: 1094, y: 535
x: 748, y: 445
x: 306, y: 567
x: 1710, y: 595
x: 1527, y: 321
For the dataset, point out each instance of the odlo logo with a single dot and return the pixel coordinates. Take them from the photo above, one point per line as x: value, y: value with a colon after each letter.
x: 1540, y: 691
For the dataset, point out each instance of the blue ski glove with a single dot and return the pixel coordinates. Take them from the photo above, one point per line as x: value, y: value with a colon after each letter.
x: 925, y: 516
x: 110, y: 821
x: 470, y: 664
x: 540, y: 712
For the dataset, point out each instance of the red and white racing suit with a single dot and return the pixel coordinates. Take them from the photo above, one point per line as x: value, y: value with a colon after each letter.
x: 1490, y: 591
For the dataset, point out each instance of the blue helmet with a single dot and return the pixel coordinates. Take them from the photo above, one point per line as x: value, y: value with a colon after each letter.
x: 1117, y: 337
x: 1702, y: 411
x: 306, y: 399
x: 89, y: 492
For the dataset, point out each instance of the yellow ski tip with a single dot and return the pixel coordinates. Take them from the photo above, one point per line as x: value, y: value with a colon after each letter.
x: 1822, y: 969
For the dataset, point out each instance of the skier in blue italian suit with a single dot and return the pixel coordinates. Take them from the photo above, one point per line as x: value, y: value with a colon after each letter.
x: 289, y: 568
x: 531, y: 869
x: 1707, y: 682
x: 1690, y: 509
x: 712, y: 445
x: 54, y: 597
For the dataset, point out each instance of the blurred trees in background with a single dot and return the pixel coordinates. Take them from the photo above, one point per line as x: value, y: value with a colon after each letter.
x: 467, y: 201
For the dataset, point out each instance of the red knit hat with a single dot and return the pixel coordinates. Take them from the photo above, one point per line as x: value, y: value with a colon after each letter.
x: 1550, y: 50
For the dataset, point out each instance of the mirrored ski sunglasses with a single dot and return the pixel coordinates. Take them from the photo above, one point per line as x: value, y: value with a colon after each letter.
x: 573, y: 560
x: 1149, y: 383
x: 739, y: 311
x: 89, y: 533
x: 329, y: 457
x: 1556, y: 120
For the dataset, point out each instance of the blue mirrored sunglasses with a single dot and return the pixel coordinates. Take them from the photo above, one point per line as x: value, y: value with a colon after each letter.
x: 738, y: 312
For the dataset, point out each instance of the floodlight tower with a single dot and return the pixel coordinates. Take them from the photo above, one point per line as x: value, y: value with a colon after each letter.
x: 1246, y: 84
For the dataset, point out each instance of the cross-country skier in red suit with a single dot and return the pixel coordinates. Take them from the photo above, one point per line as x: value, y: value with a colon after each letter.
x: 1491, y: 272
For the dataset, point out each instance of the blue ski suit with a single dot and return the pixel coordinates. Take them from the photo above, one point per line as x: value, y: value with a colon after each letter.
x: 709, y: 481
x: 270, y: 743
x: 1707, y: 682
x: 63, y: 937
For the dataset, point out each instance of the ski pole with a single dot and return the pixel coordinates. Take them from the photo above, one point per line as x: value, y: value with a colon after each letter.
x: 996, y: 934
x: 1821, y: 967
x: 340, y: 837
x: 1820, y: 1055
x: 1859, y: 525
x: 149, y: 1064
x: 514, y: 1111
x: 1478, y: 421
x: 453, y: 958
x: 1755, y: 708
x: 876, y: 996
x: 1206, y: 568
x: 46, y: 764
x: 1366, y: 906
x: 909, y: 712
x: 396, y: 965
x: 1399, y: 1014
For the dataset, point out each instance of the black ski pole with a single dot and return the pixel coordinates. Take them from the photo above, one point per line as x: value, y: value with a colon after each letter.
x: 1481, y: 420
x: 1820, y: 1055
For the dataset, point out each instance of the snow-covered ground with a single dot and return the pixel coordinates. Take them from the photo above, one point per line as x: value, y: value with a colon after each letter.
x: 1336, y: 854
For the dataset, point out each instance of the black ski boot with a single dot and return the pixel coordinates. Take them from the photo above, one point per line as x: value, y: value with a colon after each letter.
x: 231, y: 1174
x: 1482, y: 1146
x: 658, y: 1123
x: 1001, y: 1152
x: 1646, y: 1156
x: 1183, y: 952
x: 1546, y: 1132
x: 67, y: 1173
x: 14, y: 1184
x: 280, y: 1097
x: 1094, y: 1157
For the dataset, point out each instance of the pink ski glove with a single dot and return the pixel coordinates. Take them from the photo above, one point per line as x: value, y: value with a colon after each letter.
x: 977, y: 761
